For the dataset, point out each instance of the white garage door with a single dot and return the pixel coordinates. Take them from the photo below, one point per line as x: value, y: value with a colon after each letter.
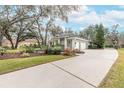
x: 83, y: 46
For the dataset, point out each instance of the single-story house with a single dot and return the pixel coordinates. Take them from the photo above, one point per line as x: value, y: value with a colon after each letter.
x: 70, y: 41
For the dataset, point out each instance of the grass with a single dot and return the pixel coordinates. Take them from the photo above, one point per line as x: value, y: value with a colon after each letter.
x: 115, y: 77
x: 10, y: 65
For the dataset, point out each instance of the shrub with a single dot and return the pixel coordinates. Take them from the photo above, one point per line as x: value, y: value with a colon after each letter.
x: 92, y: 46
x: 76, y: 50
x: 13, y: 51
x: 26, y: 49
x: 122, y: 46
x: 25, y: 55
x: 2, y: 50
x: 54, y: 50
x: 39, y: 51
x: 34, y: 45
x: 44, y: 47
x: 57, y: 49
x: 109, y: 46
x: 69, y: 52
x: 6, y: 47
x: 59, y: 46
x: 49, y: 51
x: 29, y: 50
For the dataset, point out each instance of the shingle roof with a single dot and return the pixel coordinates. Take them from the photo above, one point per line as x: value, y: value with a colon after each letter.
x: 65, y: 34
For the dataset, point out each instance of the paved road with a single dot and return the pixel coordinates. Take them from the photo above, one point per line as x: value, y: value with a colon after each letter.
x: 85, y: 70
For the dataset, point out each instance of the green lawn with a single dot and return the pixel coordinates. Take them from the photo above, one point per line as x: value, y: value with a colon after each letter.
x: 115, y: 77
x: 9, y: 65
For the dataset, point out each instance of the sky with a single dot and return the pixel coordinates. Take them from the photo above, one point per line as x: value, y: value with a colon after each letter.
x: 108, y: 15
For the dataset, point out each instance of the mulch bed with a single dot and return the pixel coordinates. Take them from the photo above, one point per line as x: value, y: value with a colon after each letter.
x: 16, y: 55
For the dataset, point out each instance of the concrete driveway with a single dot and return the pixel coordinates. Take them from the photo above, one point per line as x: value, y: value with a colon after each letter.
x: 85, y: 70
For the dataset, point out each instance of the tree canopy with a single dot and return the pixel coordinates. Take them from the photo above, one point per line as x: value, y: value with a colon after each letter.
x: 21, y: 22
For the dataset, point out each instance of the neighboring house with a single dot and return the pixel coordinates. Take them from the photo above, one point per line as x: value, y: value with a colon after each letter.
x: 6, y: 42
x: 28, y: 42
x: 68, y: 40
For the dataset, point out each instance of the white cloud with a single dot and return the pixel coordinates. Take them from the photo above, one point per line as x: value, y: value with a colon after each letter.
x: 91, y: 17
x: 83, y: 9
x: 114, y: 15
x: 121, y: 6
x: 82, y: 28
x: 87, y: 17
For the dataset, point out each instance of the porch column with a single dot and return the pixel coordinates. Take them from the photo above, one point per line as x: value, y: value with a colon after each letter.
x: 58, y: 40
x: 65, y: 43
x: 79, y: 46
x: 73, y: 43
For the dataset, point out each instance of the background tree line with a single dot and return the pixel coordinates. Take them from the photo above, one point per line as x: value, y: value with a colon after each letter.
x: 100, y: 36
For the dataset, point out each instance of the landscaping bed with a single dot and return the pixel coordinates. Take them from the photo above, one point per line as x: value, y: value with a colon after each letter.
x: 28, y: 51
x: 17, y: 55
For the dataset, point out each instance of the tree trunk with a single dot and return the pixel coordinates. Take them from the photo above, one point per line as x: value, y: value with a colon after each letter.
x: 38, y: 42
x: 45, y: 41
x: 12, y: 45
x: 17, y: 41
x: 1, y: 38
x: 0, y: 42
x: 47, y: 28
x: 16, y: 45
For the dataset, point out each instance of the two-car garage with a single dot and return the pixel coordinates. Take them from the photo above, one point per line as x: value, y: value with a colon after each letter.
x: 80, y: 44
